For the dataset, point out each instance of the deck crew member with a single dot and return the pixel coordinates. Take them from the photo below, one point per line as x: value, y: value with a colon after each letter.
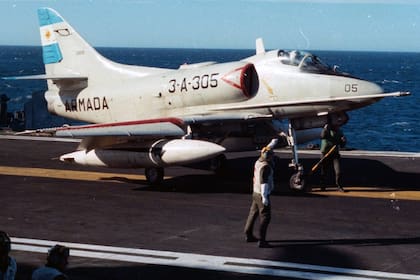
x: 332, y: 139
x: 8, y: 265
x: 263, y: 185
x: 57, y: 261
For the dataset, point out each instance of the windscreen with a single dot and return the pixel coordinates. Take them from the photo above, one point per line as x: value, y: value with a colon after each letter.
x: 307, y: 62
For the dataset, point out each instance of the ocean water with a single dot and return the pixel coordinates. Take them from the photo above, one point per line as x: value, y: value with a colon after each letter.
x: 392, y: 124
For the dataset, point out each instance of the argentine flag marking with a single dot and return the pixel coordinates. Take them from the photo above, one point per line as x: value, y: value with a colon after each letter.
x: 50, y: 48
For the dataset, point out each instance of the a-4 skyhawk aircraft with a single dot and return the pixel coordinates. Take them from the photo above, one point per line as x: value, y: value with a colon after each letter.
x: 153, y: 117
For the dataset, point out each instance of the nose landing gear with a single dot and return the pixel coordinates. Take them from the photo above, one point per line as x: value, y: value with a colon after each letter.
x: 297, y: 180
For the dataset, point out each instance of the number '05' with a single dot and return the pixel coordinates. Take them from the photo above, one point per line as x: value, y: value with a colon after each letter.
x: 350, y: 87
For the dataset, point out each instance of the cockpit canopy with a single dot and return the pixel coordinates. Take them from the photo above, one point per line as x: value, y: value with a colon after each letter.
x: 307, y: 62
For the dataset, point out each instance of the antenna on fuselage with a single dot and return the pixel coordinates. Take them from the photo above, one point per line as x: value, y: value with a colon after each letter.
x: 259, y: 46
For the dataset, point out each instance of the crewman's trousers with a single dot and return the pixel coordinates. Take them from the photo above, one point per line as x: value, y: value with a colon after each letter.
x: 258, y: 209
x: 333, y: 160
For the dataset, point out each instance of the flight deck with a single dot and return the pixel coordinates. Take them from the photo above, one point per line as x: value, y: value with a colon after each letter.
x: 118, y: 227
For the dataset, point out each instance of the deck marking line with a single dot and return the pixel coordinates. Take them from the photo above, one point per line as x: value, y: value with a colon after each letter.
x: 372, y: 192
x: 69, y: 174
x: 207, y: 262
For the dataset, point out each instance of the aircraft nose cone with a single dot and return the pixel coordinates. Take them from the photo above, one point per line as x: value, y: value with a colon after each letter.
x: 367, y: 88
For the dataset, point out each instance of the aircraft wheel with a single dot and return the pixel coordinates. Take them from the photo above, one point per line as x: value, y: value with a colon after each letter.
x: 154, y: 175
x: 297, y: 182
x: 218, y: 164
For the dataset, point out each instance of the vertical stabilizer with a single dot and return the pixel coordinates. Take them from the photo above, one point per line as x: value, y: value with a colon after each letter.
x: 66, y: 53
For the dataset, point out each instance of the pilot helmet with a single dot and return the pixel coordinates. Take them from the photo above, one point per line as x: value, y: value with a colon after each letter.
x: 5, y: 243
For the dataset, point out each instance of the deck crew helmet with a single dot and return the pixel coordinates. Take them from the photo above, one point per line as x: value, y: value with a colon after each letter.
x: 267, y: 153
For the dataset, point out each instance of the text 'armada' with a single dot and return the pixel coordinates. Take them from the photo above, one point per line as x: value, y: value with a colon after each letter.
x: 86, y: 104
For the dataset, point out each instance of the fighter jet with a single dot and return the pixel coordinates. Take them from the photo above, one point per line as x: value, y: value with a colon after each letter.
x: 153, y: 118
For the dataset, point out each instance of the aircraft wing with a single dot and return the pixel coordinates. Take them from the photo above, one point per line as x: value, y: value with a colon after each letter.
x: 225, y: 117
x: 354, y: 98
x: 118, y: 133
x: 153, y: 127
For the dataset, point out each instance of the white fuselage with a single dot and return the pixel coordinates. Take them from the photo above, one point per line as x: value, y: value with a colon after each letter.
x: 126, y: 95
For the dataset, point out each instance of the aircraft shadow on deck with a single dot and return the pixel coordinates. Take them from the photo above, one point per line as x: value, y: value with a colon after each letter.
x: 237, y: 177
x: 327, y: 251
x: 357, y: 242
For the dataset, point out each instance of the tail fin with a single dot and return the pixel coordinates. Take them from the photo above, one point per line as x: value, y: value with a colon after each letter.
x: 67, y: 54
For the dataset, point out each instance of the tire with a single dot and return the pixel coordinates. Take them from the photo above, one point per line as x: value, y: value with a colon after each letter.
x: 297, y: 184
x: 154, y: 175
x: 218, y: 164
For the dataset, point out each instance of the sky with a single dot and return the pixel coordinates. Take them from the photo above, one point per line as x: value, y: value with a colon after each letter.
x: 370, y: 25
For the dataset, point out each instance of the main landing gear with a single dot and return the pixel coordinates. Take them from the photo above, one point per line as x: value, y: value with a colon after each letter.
x: 297, y: 180
x: 154, y: 175
x: 218, y: 164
